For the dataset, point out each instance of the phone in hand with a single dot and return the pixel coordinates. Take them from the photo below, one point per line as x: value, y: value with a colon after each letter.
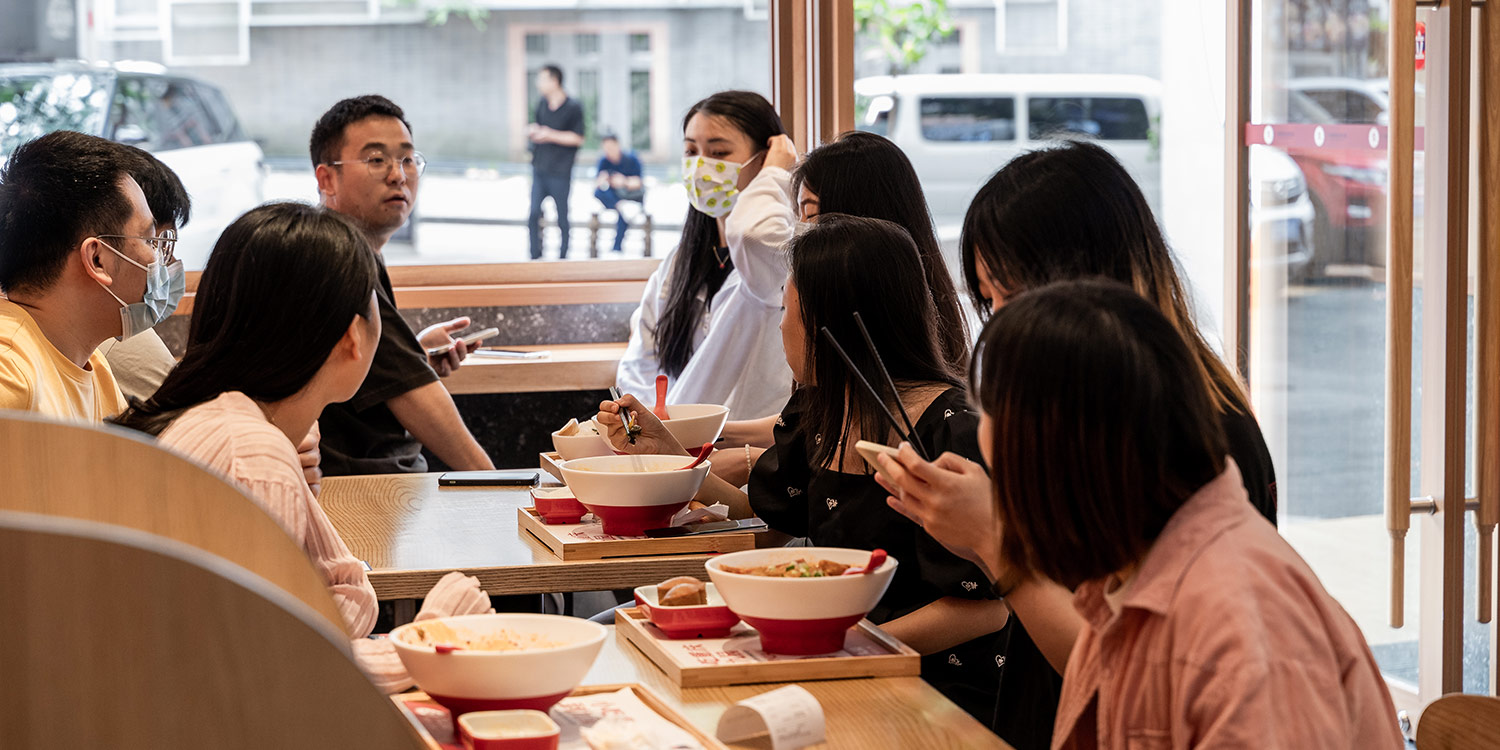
x: 469, y: 340
x: 506, y: 478
x: 871, y: 451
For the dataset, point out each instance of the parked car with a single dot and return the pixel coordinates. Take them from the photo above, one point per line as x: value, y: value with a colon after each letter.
x: 185, y: 122
x: 1349, y: 192
x: 1346, y: 100
x: 959, y: 129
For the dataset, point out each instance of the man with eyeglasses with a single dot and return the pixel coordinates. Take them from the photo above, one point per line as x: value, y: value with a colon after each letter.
x: 368, y: 170
x: 142, y: 362
x: 80, y: 263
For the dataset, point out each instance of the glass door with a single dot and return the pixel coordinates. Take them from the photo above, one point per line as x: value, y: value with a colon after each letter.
x: 1365, y: 287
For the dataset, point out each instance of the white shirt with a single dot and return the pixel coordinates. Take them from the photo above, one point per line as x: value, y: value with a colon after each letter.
x: 737, y: 357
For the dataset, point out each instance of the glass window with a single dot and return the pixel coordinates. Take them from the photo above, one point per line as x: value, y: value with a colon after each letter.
x: 160, y: 114
x: 222, y: 113
x: 586, y: 44
x: 1106, y: 118
x: 36, y: 104
x: 536, y: 44
x: 640, y: 42
x: 640, y: 109
x: 968, y: 118
x: 588, y: 96
x: 1032, y: 25
x: 872, y: 114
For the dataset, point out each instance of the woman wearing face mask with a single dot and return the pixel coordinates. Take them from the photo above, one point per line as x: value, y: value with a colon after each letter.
x: 1113, y: 477
x: 1064, y: 213
x: 863, y: 174
x: 812, y: 483
x: 708, y: 317
x: 256, y: 374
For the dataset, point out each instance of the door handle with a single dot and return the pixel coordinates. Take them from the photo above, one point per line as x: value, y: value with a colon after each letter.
x: 1398, y: 269
x: 1487, y: 311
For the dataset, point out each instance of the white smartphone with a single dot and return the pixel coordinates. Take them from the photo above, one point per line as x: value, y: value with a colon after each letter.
x: 510, y: 354
x: 870, y: 451
x: 468, y: 340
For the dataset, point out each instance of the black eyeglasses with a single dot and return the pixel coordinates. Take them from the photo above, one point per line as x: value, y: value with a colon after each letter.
x: 380, y: 164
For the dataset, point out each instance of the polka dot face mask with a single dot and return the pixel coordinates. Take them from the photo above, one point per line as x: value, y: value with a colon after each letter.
x: 711, y: 184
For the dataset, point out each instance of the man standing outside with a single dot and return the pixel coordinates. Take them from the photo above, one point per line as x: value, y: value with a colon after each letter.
x: 555, y: 134
x: 367, y: 170
x: 617, y: 179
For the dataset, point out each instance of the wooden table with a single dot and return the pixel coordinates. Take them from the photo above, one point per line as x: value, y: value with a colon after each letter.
x: 870, y: 713
x: 571, y: 367
x: 412, y: 532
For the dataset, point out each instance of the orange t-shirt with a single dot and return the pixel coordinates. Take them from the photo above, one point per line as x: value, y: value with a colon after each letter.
x: 36, y: 377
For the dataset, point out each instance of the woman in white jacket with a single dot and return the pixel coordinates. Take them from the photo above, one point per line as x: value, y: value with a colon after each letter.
x: 709, y: 319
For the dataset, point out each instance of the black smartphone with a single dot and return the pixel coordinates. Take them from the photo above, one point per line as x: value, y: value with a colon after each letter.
x: 511, y: 478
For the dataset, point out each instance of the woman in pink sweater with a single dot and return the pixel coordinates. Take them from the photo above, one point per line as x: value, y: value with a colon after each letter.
x: 284, y: 324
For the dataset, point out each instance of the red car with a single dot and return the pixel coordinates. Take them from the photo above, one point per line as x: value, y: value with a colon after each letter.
x: 1349, y: 193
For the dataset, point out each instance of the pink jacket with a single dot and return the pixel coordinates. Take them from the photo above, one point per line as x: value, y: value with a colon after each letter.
x: 1224, y: 638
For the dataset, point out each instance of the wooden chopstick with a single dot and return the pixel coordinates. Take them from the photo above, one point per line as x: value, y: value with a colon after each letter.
x: 911, y: 430
x: 883, y: 408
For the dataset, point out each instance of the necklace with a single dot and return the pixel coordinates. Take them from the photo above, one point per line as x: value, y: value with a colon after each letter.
x: 723, y: 259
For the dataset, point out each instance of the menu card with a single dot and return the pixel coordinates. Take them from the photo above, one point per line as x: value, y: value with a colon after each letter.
x: 791, y: 715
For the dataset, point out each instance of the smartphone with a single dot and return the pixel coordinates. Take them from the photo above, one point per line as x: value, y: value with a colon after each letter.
x: 511, y: 354
x: 468, y: 340
x: 870, y: 451
x: 510, y: 478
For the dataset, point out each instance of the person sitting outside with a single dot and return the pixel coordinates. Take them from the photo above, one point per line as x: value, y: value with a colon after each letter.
x: 618, y: 180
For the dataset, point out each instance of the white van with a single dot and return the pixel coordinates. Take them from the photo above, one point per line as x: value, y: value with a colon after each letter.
x: 959, y: 129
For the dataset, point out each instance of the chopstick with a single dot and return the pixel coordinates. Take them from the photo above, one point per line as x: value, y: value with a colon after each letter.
x: 630, y: 427
x: 910, y: 429
x: 883, y: 408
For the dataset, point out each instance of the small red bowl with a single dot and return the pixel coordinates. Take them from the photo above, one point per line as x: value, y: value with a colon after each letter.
x: 635, y: 520
x: 508, y: 730
x: 556, y: 505
x: 711, y: 620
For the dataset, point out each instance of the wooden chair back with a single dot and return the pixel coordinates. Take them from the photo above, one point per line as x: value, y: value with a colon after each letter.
x: 113, y: 637
x: 120, y: 477
x: 1460, y: 722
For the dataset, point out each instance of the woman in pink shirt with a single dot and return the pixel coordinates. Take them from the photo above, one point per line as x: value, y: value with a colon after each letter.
x: 1200, y: 626
x: 284, y: 323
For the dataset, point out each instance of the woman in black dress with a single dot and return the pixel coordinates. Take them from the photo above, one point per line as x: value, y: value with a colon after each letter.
x: 1064, y: 213
x: 812, y: 483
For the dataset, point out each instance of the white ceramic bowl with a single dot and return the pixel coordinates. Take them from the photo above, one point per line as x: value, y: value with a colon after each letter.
x: 695, y: 424
x: 800, y: 615
x: 471, y: 680
x: 582, y: 445
x: 631, y: 494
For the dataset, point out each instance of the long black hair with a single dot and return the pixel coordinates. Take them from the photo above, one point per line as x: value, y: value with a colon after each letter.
x: 695, y: 275
x: 863, y: 174
x: 281, y: 286
x: 1071, y: 211
x: 1102, y: 427
x: 847, y: 264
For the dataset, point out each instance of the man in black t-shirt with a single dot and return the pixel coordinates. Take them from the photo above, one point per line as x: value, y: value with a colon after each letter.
x: 555, y: 136
x: 367, y: 170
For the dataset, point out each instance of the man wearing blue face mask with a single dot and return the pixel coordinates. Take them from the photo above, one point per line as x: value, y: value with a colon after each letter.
x: 80, y: 263
x: 141, y: 362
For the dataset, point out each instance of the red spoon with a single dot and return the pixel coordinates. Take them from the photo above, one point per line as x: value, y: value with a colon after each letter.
x: 660, y: 409
x: 702, y: 454
x: 877, y: 559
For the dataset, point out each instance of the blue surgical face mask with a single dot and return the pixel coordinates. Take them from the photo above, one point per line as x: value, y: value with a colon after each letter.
x: 165, y: 285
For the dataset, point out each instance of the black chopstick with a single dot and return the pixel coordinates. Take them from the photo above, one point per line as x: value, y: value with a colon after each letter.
x: 878, y: 399
x: 911, y: 431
